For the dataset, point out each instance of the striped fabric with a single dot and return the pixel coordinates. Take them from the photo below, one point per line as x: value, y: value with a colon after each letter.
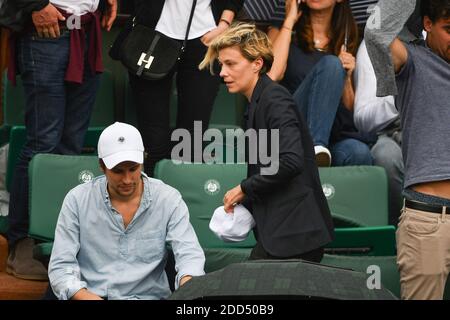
x: 273, y: 10
x: 264, y: 10
x: 359, y: 8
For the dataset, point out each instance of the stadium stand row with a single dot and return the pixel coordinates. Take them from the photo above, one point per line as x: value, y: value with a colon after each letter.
x: 203, y: 186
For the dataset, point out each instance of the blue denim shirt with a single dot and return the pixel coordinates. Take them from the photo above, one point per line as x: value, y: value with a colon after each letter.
x: 93, y: 250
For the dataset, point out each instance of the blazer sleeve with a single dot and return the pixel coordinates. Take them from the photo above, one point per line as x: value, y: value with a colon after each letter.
x: 279, y: 110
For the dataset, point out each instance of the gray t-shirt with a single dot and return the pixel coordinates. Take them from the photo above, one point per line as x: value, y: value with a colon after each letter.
x: 424, y: 105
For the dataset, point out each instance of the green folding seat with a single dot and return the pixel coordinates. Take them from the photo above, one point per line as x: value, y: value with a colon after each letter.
x: 102, y: 114
x: 3, y: 224
x: 51, y: 178
x: 372, y: 241
x: 386, y: 265
x: 357, y: 195
x: 17, y: 140
x: 203, y: 187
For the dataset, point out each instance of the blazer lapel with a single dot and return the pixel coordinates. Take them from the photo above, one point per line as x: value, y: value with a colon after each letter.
x: 261, y: 85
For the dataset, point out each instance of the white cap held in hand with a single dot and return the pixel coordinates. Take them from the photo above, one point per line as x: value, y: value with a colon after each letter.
x: 232, y: 227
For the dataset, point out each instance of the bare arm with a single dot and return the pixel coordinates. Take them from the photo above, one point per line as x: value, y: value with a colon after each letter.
x: 110, y: 14
x: 349, y: 64
x: 348, y: 95
x: 281, y: 40
x: 226, y: 19
x: 399, y: 54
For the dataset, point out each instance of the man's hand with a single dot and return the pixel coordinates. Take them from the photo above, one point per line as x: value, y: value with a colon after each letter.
x: 84, y: 294
x: 109, y: 15
x: 232, y: 198
x: 46, y: 21
x: 348, y: 61
x: 184, y: 280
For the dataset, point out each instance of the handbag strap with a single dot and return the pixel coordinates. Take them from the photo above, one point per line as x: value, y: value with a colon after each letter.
x: 191, y: 16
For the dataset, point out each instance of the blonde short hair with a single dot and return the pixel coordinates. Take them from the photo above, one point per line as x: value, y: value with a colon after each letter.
x: 252, y: 43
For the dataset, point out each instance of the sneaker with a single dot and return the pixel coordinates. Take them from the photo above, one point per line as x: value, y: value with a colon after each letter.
x: 21, y: 263
x: 323, y: 156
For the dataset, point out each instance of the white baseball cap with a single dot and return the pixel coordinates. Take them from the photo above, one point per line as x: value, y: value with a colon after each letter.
x: 120, y: 142
x: 232, y: 227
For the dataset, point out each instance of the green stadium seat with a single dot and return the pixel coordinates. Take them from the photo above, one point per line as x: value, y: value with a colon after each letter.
x: 390, y: 277
x: 17, y: 140
x: 203, y: 187
x: 3, y: 224
x: 372, y: 241
x: 102, y: 115
x: 51, y: 178
x: 357, y: 195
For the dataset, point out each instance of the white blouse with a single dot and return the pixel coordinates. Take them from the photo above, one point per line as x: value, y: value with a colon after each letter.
x: 175, y: 17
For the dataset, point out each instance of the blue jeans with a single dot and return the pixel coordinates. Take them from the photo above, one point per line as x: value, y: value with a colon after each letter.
x: 388, y: 154
x: 350, y: 152
x: 56, y: 115
x: 318, y: 98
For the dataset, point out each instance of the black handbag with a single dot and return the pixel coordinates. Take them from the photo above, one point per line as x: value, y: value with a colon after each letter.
x: 150, y: 54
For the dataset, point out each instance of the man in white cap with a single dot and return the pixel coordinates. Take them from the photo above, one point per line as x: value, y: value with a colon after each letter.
x: 111, y: 236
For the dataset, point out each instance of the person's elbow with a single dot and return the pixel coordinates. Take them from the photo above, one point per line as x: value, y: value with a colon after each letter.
x: 277, y: 74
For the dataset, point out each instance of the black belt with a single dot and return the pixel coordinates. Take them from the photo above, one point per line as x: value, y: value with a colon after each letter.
x: 425, y: 207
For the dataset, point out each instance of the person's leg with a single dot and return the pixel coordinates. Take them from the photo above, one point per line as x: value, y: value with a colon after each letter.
x: 423, y: 243
x: 351, y: 152
x: 318, y: 97
x: 42, y: 65
x: 151, y: 99
x: 80, y: 103
x: 388, y: 154
x: 197, y: 89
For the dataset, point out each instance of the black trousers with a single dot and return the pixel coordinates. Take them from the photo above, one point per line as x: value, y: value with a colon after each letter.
x: 258, y: 253
x: 197, y: 91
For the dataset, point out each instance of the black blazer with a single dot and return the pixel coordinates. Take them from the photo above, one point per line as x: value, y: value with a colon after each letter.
x: 148, y: 12
x: 291, y: 212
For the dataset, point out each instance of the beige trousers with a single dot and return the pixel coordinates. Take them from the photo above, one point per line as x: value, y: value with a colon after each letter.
x: 423, y: 254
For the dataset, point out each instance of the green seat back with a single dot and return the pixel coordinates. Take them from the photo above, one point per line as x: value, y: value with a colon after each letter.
x: 51, y: 178
x: 225, y: 109
x: 13, y: 102
x: 358, y: 194
x: 102, y: 114
x: 203, y: 187
x: 218, y: 258
x: 17, y: 140
x: 372, y: 241
x: 389, y: 275
x: 3, y: 224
